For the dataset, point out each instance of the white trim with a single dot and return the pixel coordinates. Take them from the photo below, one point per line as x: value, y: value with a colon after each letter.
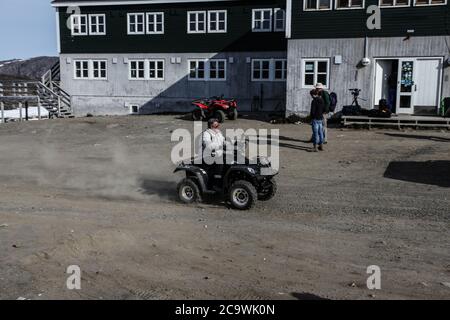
x: 224, y: 70
x: 96, y: 16
x: 271, y: 70
x: 394, y: 5
x: 284, y: 70
x: 205, y: 78
x: 58, y: 34
x: 288, y: 19
x: 262, y: 10
x: 429, y: 4
x: 123, y: 3
x: 136, y: 14
x: 315, y: 60
x: 154, y: 14
x: 137, y: 78
x: 363, y: 5
x: 90, y: 69
x: 217, y: 12
x: 317, y: 6
x: 146, y: 69
x: 79, y: 24
x: 156, y: 64
x: 283, y: 29
x: 205, y: 21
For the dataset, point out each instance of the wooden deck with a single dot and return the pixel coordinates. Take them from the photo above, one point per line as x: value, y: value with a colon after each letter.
x: 398, y: 121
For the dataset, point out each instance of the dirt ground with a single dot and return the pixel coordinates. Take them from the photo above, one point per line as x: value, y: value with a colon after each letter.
x: 100, y: 193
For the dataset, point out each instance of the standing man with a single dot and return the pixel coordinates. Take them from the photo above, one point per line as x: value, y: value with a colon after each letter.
x: 326, y: 99
x: 316, y: 114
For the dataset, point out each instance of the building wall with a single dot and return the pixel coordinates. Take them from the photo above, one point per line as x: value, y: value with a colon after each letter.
x: 175, y: 92
x: 350, y: 74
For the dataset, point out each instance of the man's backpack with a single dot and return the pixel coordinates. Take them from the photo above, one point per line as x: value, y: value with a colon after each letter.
x: 333, y: 101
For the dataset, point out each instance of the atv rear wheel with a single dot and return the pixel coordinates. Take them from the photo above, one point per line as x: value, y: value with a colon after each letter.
x: 220, y: 116
x: 188, y: 191
x: 197, y: 115
x: 243, y: 195
x: 269, y: 192
x: 233, y: 114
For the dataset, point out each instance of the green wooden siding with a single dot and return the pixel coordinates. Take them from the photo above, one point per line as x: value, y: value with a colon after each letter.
x: 175, y: 38
x: 395, y: 22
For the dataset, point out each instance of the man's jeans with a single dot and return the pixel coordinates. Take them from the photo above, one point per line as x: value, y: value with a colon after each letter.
x: 317, y: 128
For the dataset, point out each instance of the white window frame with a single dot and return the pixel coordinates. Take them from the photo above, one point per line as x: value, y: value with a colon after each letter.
x: 208, y: 67
x: 271, y: 70
x: 205, y: 78
x: 93, y: 77
x: 430, y: 4
x: 217, y: 22
x: 73, y: 17
x: 153, y: 15
x: 90, y: 69
x: 156, y: 61
x: 363, y: 5
x: 283, y: 70
x: 205, y: 21
x: 254, y: 11
x: 275, y: 20
x: 136, y: 14
x: 137, y: 78
x: 317, y: 6
x: 97, y: 16
x: 394, y: 5
x: 315, y: 60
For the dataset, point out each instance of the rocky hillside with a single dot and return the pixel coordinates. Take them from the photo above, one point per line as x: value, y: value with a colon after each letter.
x: 32, y: 68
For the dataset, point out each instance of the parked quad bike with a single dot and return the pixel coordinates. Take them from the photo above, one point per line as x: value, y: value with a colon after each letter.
x: 215, y: 107
x: 242, y: 184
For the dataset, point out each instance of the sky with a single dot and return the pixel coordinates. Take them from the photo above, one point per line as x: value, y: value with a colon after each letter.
x: 27, y: 29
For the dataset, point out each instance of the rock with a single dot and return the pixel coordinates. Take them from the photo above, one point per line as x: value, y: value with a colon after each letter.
x: 4, y: 225
x: 353, y: 285
x: 446, y: 284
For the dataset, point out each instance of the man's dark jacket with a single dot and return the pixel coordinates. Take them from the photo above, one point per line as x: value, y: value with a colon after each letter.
x: 317, y: 108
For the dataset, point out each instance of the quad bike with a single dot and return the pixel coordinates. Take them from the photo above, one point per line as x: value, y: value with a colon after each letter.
x: 217, y: 107
x: 242, y: 184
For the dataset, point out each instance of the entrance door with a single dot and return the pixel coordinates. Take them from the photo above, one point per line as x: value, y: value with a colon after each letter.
x: 406, y: 86
x: 427, y: 85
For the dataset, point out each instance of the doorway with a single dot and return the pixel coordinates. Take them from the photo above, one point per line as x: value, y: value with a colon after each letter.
x: 409, y: 85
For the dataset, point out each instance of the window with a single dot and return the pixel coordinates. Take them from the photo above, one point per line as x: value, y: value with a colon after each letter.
x: 155, y: 22
x: 349, y: 4
x: 279, y: 22
x: 136, y: 23
x: 156, y: 69
x: 90, y: 69
x: 196, y: 21
x: 262, y: 20
x: 217, y: 69
x: 82, y: 69
x: 146, y: 69
x: 79, y: 25
x: 261, y: 70
x: 280, y: 69
x: 429, y: 2
x: 314, y: 71
x: 99, y: 69
x: 97, y: 24
x: 203, y: 69
x: 394, y: 3
x: 197, y: 69
x: 217, y: 21
x: 137, y: 69
x: 310, y: 5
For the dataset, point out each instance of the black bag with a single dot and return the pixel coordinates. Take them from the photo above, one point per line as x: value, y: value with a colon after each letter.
x: 351, y: 110
x: 333, y: 101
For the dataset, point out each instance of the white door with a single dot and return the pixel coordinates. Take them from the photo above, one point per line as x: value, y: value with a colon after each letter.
x: 383, y: 69
x: 427, y: 84
x: 406, y: 86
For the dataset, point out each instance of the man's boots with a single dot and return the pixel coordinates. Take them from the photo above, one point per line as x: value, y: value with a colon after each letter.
x: 315, y: 148
x: 321, y: 147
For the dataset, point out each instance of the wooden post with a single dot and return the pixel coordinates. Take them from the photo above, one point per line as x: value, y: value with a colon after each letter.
x: 59, y: 106
x: 2, y: 106
x: 26, y: 110
x: 20, y: 112
x: 39, y: 108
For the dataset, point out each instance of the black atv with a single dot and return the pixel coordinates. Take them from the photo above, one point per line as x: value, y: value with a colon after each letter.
x: 242, y: 184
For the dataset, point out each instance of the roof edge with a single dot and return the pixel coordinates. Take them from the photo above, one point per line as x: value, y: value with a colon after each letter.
x: 122, y: 2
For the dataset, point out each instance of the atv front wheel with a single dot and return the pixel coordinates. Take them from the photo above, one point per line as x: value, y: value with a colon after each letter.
x: 233, y: 114
x: 220, y: 116
x: 243, y: 195
x: 269, y: 192
x: 197, y: 115
x: 188, y: 191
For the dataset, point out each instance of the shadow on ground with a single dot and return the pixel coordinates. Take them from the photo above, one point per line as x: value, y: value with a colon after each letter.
x: 306, y: 296
x: 429, y: 172
x: 419, y: 137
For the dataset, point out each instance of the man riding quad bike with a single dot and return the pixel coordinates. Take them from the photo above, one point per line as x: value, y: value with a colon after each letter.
x: 215, y: 107
x: 242, y: 183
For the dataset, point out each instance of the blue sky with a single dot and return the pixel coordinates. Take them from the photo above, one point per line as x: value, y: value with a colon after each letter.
x: 27, y: 29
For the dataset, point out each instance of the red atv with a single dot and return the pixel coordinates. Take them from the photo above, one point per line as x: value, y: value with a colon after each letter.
x: 217, y: 107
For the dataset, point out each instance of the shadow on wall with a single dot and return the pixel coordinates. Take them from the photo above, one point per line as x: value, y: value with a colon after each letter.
x: 251, y: 95
x: 430, y: 172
